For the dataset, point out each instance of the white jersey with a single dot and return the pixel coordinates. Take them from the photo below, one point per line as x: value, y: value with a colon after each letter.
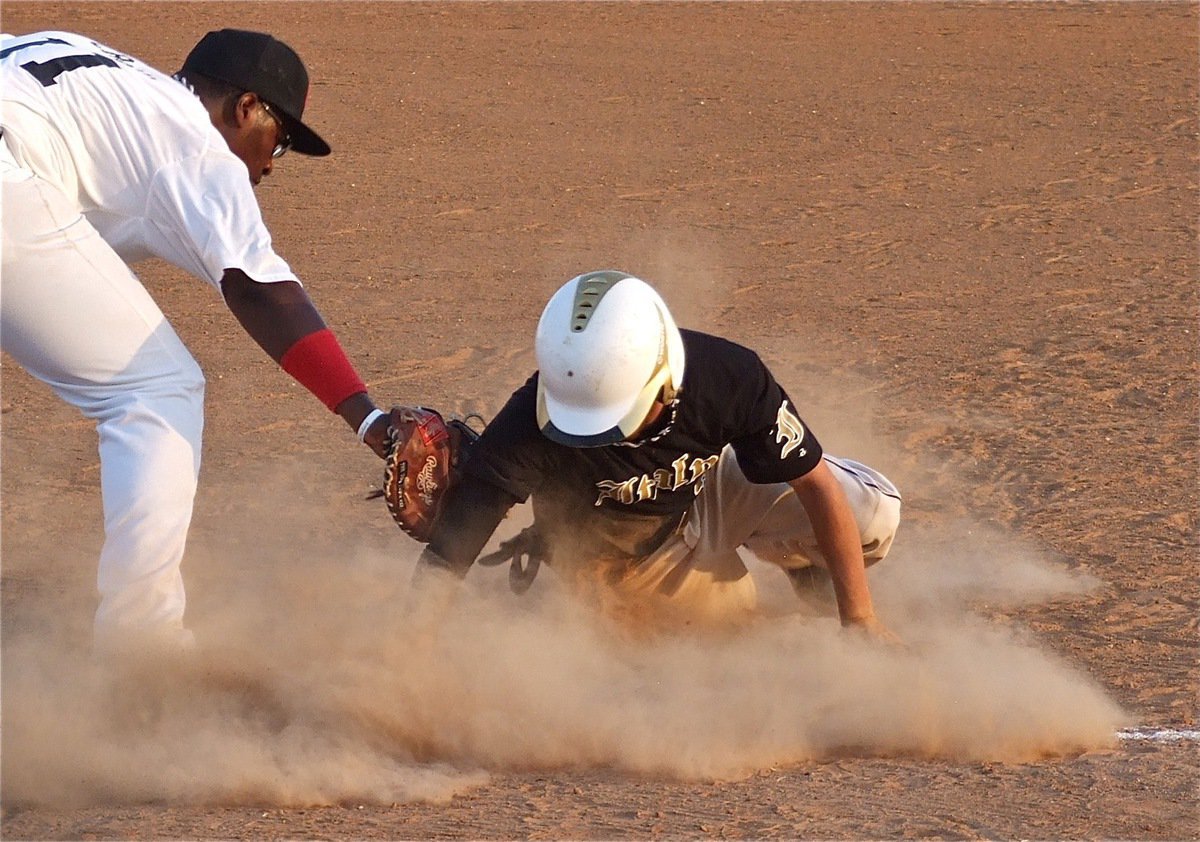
x: 136, y: 149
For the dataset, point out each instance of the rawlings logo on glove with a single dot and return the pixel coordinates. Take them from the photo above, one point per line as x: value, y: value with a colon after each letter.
x: 425, y: 458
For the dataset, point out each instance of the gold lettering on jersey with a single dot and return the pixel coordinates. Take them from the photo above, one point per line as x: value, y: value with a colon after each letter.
x: 680, y: 468
x: 647, y: 489
x: 622, y: 492
x: 684, y: 471
x: 788, y: 431
x: 662, y: 478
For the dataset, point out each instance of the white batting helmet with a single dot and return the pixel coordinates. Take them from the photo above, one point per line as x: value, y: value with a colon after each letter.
x: 607, y: 348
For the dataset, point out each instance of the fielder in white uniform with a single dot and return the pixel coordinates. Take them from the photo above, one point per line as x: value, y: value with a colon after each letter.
x: 104, y: 161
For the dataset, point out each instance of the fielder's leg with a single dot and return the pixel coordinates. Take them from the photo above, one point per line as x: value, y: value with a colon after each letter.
x: 75, y: 317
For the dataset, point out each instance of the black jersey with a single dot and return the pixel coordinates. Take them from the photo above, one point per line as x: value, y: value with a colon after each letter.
x: 626, y: 498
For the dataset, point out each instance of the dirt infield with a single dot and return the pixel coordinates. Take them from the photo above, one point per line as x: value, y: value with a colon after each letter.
x: 963, y: 236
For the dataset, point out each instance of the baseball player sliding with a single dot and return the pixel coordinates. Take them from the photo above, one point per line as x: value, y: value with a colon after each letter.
x: 104, y: 161
x: 651, y: 454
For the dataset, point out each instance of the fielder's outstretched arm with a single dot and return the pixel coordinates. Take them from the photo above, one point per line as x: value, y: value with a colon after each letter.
x: 285, y: 323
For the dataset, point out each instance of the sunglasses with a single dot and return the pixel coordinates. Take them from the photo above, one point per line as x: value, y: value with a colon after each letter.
x: 285, y: 140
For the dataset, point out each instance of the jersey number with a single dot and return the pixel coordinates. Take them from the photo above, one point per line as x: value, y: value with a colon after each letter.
x: 47, y: 72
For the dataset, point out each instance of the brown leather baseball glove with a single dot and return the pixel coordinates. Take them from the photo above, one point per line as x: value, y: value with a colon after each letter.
x: 425, y: 458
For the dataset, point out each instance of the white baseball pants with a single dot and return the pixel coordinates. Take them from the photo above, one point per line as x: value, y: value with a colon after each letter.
x: 699, y: 575
x: 73, y: 315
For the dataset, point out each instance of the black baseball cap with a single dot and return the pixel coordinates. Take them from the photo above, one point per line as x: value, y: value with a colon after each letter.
x: 255, y: 61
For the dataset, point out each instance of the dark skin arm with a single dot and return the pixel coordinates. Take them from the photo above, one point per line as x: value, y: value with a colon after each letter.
x: 276, y: 316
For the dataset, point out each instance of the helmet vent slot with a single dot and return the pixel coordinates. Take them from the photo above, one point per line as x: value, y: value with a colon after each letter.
x: 591, y: 288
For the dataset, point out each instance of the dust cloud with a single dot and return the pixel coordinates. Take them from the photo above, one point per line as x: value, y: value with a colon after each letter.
x: 319, y: 680
x: 330, y: 695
